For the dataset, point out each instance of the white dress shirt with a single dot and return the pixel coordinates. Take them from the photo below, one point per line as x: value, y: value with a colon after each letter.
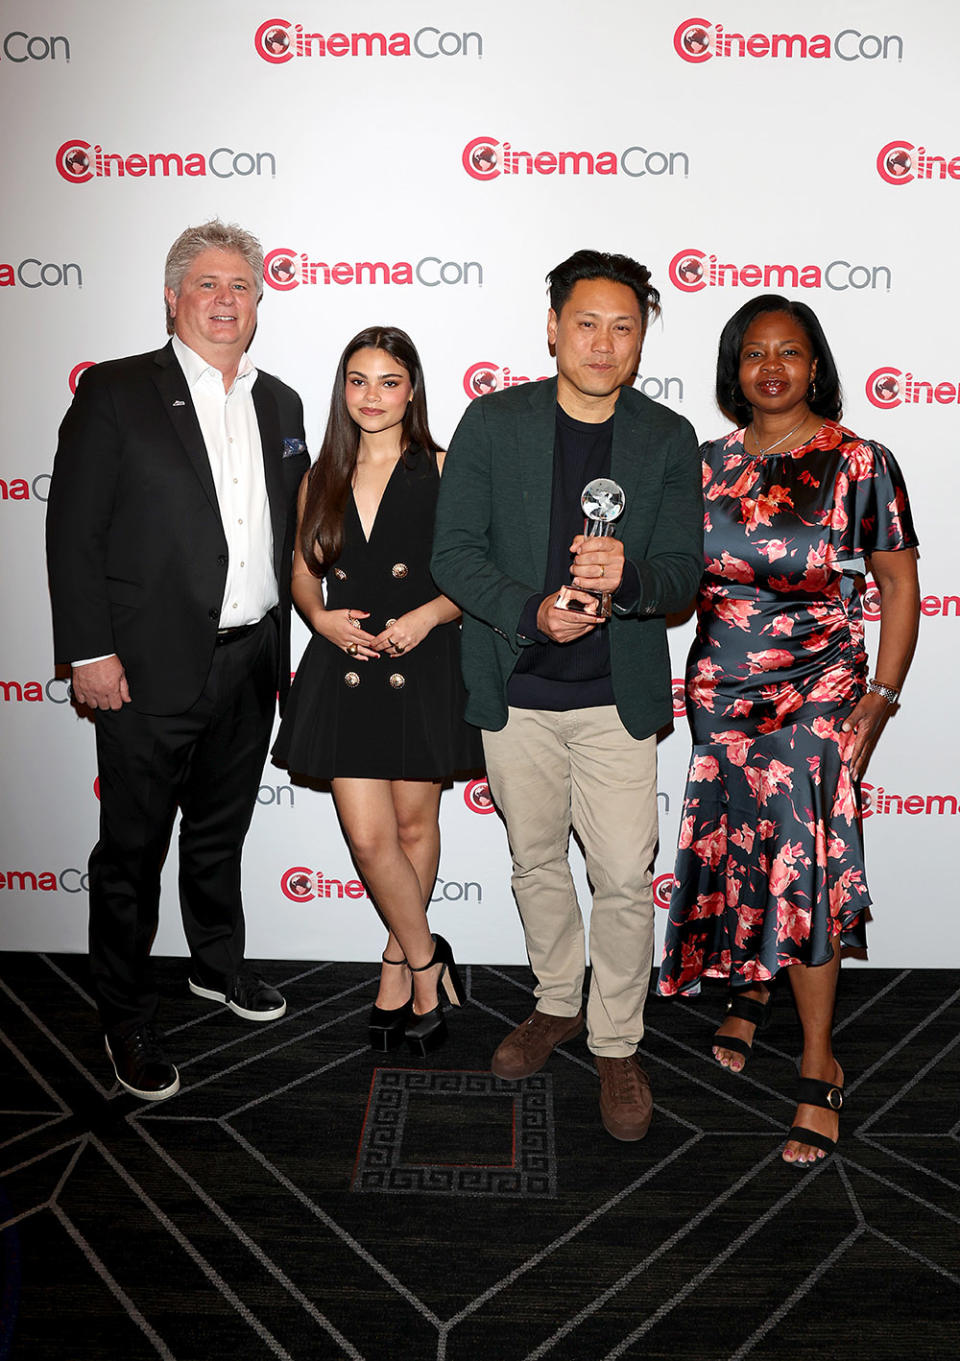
x: 228, y: 422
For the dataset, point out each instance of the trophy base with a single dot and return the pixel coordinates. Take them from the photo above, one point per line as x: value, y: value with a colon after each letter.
x: 576, y: 606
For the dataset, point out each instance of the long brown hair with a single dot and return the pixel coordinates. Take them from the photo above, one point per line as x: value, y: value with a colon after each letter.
x: 331, y: 477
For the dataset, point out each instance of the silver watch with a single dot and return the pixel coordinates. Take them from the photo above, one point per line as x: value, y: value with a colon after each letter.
x: 886, y: 692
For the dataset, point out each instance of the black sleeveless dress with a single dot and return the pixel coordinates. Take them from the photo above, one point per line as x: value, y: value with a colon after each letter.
x: 397, y: 718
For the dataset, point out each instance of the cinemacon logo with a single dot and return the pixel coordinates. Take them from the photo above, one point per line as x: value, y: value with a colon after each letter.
x: 78, y: 162
x: 23, y: 489
x: 303, y: 885
x: 19, y: 46
x: 698, y: 40
x: 485, y: 158
x: 877, y: 802
x: 485, y: 377
x: 662, y: 888
x: 34, y: 273
x: 278, y: 41
x: 902, y: 163
x: 56, y: 690
x: 284, y: 269
x: 888, y: 387
x: 693, y: 270
x: 44, y: 881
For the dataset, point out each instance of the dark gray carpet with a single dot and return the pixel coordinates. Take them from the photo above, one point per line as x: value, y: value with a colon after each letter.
x: 304, y: 1199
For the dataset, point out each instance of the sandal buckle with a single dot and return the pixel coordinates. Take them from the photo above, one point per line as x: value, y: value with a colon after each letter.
x: 834, y: 1099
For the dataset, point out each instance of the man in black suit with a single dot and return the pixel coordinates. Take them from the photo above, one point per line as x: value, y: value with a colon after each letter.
x: 169, y: 540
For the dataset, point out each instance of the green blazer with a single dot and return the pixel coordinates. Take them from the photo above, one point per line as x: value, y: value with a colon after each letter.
x: 492, y: 527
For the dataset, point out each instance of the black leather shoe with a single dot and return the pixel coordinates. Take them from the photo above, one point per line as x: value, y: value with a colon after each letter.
x: 246, y: 996
x: 141, y: 1064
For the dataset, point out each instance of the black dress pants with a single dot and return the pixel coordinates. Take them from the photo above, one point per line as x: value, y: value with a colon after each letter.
x: 208, y: 762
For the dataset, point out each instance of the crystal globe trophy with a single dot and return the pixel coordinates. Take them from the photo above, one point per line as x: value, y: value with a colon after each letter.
x: 602, y: 501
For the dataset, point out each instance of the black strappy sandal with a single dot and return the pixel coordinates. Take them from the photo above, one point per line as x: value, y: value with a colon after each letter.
x: 812, y: 1092
x: 744, y: 1009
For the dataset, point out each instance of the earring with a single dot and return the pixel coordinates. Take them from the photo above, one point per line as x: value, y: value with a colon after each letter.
x: 812, y: 391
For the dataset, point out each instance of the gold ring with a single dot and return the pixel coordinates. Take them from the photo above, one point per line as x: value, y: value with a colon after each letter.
x: 603, y: 570
x: 354, y: 622
x: 353, y: 649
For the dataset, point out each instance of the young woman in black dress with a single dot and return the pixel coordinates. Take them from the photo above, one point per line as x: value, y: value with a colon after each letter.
x: 377, y: 703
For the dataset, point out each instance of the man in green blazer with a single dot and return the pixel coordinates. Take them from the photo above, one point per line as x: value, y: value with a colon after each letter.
x: 569, y: 702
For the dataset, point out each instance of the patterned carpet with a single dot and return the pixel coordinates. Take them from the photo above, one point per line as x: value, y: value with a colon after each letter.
x: 302, y: 1199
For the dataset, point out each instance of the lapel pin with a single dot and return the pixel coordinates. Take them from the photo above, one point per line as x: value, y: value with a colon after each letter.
x: 179, y: 403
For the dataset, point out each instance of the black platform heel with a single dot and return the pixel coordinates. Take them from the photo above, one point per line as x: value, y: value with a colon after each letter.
x: 429, y: 1031
x: 387, y: 1027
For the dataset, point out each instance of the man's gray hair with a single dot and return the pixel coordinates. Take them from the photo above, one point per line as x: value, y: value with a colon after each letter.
x: 215, y: 235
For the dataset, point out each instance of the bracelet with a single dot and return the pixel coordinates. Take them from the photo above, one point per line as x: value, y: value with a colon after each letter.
x: 886, y: 692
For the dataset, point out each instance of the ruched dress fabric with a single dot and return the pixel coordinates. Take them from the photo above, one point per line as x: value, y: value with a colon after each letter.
x: 770, y: 862
x: 396, y: 718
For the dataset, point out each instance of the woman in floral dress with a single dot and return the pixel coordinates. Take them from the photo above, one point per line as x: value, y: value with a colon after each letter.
x: 769, y: 871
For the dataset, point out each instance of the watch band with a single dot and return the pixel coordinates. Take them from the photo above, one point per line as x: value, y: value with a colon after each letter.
x: 886, y: 692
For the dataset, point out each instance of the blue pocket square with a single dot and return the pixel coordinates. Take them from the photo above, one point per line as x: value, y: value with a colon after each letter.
x: 292, y: 447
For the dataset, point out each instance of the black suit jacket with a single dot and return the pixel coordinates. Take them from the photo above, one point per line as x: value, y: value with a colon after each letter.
x: 136, y: 551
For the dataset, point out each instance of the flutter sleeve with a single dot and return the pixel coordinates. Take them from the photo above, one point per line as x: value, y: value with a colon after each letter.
x: 878, y: 508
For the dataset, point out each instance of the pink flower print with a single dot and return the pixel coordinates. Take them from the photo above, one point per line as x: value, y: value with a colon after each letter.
x: 738, y: 745
x: 770, y: 660
x: 861, y: 463
x: 740, y: 708
x: 691, y: 961
x: 686, y: 833
x: 766, y: 828
x: 755, y: 972
x: 704, y: 768
x: 833, y: 686
x: 825, y: 728
x: 736, y: 613
x: 836, y: 516
x: 760, y: 511
x: 782, y: 626
x: 712, y: 848
x: 844, y: 803
x: 743, y: 837
x: 841, y: 892
x: 836, y: 846
x: 748, y: 919
x: 786, y: 699
x: 793, y: 922
x: 814, y: 763
x: 708, y: 905
x: 773, y: 549
x: 783, y: 871
x: 730, y: 568
x: 701, y: 687
x: 765, y: 783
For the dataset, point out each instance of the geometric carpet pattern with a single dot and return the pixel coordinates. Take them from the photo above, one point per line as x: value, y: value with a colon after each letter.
x: 305, y: 1199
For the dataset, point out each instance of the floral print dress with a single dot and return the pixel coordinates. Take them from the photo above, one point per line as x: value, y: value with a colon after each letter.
x: 770, y: 862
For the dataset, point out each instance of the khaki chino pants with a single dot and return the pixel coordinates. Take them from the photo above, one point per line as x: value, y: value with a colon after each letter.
x: 549, y: 772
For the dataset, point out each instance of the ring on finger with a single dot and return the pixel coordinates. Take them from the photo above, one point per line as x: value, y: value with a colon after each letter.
x: 603, y: 570
x: 354, y: 622
x: 353, y: 649
x: 398, y: 648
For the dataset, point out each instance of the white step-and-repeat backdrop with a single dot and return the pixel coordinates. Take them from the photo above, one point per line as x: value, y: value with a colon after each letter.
x: 424, y: 163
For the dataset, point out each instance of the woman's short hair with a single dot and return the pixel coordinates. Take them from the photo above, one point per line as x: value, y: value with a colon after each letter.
x: 214, y: 235
x: 826, y: 399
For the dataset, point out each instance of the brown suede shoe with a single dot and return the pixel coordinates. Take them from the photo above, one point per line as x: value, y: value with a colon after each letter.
x: 626, y: 1102
x: 526, y: 1049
